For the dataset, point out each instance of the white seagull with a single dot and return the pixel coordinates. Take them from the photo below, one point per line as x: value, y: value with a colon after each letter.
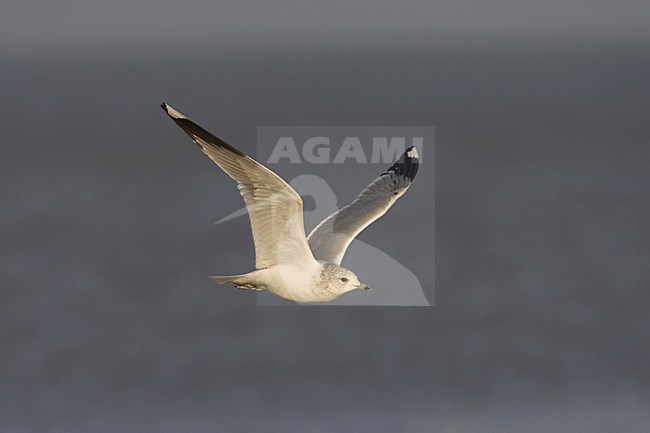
x: 289, y: 264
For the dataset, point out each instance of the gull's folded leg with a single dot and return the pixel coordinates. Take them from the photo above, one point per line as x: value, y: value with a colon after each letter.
x: 240, y: 281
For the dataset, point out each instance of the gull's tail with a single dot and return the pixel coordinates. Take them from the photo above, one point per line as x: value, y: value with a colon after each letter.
x: 242, y: 281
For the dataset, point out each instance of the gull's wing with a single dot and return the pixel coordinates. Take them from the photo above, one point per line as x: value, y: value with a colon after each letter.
x: 330, y: 239
x: 274, y: 208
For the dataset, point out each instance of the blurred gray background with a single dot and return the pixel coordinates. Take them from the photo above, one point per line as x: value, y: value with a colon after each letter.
x: 108, y: 324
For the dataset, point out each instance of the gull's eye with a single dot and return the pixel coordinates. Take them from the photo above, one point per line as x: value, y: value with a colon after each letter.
x: 345, y: 280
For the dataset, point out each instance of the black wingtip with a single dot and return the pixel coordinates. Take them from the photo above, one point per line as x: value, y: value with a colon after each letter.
x: 407, y: 165
x: 196, y: 132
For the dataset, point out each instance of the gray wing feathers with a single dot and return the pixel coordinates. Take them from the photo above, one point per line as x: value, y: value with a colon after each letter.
x: 331, y: 238
x: 274, y: 208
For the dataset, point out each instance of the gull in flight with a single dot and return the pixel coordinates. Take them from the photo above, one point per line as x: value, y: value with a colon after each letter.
x: 288, y: 264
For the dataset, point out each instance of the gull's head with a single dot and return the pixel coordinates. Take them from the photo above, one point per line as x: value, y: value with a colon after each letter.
x: 339, y: 280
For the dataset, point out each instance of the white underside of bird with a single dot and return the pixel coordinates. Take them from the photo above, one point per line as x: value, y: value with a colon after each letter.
x: 289, y: 264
